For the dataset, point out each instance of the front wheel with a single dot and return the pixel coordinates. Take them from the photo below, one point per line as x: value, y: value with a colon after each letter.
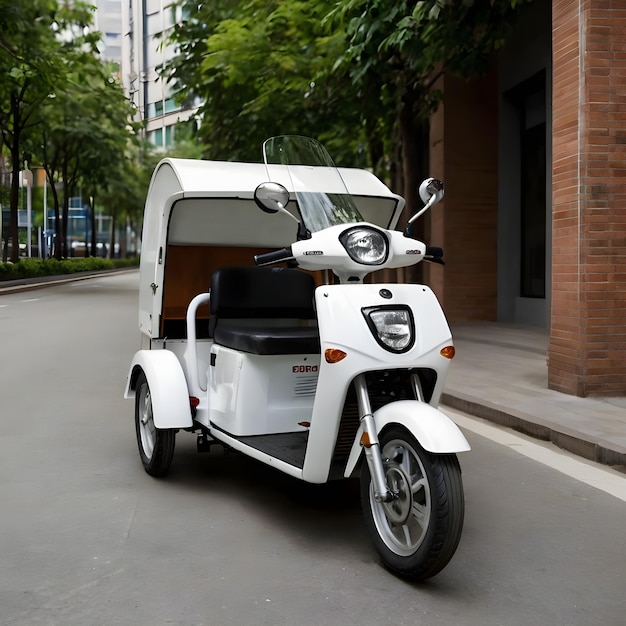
x: 156, y: 445
x: 418, y: 531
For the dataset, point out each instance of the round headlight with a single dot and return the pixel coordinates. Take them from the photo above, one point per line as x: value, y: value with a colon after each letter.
x: 365, y: 245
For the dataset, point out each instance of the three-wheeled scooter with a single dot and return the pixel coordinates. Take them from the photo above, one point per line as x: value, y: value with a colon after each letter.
x: 307, y: 367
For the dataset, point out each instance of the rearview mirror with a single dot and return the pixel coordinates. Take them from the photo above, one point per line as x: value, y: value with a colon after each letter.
x: 271, y: 197
x: 431, y: 191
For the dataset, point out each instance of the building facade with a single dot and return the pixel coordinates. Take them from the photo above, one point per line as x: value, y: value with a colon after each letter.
x: 108, y: 20
x: 144, y: 25
x: 534, y: 219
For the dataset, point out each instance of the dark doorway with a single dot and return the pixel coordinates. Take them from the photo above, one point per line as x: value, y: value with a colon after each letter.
x: 533, y: 213
x: 529, y: 98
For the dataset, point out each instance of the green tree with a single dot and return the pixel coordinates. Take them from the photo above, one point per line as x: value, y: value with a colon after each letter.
x: 34, y: 45
x: 398, y: 50
x: 103, y: 157
x: 259, y: 69
x: 360, y: 75
x: 125, y: 199
x: 83, y: 137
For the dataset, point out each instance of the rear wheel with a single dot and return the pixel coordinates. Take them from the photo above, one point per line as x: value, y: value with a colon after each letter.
x: 156, y: 445
x: 417, y: 533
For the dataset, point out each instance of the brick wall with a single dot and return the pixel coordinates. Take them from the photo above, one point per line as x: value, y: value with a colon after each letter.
x: 465, y: 157
x: 587, y: 351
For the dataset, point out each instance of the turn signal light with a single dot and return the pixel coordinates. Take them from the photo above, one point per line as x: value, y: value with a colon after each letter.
x: 366, y: 442
x: 193, y: 401
x: 334, y: 355
x: 448, y: 352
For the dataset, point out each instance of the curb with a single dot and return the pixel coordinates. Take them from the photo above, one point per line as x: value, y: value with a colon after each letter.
x: 583, y: 445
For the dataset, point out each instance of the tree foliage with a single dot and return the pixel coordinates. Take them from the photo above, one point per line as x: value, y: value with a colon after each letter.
x: 60, y: 106
x: 84, y: 135
x: 360, y: 73
x: 259, y: 69
x: 32, y: 57
x: 398, y: 50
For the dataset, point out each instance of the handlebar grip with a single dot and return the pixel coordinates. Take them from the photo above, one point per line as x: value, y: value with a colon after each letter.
x: 276, y: 256
x: 434, y: 251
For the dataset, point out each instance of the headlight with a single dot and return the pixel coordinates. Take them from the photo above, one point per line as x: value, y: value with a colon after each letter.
x: 365, y: 245
x: 392, y: 327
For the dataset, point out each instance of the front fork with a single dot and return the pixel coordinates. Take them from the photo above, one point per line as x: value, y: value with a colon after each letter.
x: 370, y: 443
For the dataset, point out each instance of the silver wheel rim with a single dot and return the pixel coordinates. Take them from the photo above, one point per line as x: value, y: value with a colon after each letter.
x: 147, y: 431
x: 403, y: 522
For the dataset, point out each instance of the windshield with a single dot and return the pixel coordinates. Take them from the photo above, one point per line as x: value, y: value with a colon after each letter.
x: 321, y: 194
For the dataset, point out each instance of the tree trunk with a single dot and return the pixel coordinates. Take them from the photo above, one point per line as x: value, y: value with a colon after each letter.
x: 414, y: 141
x: 111, y: 253
x: 15, y: 183
x: 13, y: 203
x: 92, y: 218
x: 57, y: 217
x: 375, y: 148
x: 66, y: 216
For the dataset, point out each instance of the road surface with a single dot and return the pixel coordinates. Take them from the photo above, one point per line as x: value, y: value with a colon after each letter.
x: 89, y: 539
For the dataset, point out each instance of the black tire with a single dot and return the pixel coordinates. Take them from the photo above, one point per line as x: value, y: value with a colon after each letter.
x: 418, y: 532
x: 156, y: 445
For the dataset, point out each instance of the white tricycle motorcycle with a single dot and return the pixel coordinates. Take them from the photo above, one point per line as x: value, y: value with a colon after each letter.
x: 307, y: 368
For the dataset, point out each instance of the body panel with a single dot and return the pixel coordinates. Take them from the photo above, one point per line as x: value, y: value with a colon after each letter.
x: 342, y: 325
x: 168, y: 387
x: 251, y: 394
x: 434, y: 430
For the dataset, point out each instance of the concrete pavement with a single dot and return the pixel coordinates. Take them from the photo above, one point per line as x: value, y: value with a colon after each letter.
x: 500, y: 374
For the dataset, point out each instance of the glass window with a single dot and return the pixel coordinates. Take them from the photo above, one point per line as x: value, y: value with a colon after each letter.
x: 154, y: 25
x: 156, y: 137
x: 152, y: 6
x: 169, y: 135
x: 171, y: 106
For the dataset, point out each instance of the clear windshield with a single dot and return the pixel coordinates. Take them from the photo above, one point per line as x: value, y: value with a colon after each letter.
x: 321, y: 194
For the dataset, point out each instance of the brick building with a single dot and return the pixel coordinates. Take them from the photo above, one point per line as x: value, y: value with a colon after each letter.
x: 534, y: 220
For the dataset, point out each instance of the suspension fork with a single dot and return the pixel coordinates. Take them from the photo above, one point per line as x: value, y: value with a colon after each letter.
x: 370, y: 443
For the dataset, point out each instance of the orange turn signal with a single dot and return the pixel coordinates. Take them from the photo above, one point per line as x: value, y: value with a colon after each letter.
x: 448, y: 352
x: 366, y: 442
x: 334, y: 355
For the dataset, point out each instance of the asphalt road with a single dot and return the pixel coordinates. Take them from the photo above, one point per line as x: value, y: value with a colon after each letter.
x: 87, y: 538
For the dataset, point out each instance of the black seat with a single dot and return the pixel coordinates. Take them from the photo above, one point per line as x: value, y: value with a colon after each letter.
x: 242, y: 294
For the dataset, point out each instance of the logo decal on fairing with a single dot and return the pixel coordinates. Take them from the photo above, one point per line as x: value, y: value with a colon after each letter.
x: 304, y: 369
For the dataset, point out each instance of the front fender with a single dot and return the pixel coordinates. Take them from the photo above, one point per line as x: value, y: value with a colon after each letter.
x: 168, y: 387
x: 434, y: 430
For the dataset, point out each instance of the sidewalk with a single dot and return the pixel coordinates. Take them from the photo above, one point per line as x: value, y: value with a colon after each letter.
x: 500, y: 374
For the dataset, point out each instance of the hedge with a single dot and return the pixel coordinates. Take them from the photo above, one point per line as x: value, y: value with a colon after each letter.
x: 33, y: 268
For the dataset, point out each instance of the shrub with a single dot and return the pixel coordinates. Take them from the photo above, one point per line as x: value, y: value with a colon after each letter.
x: 33, y: 268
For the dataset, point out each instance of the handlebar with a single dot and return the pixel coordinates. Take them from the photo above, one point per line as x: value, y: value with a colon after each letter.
x: 434, y: 254
x: 276, y: 256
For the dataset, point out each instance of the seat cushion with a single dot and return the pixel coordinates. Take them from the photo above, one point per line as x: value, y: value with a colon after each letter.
x: 269, y: 340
